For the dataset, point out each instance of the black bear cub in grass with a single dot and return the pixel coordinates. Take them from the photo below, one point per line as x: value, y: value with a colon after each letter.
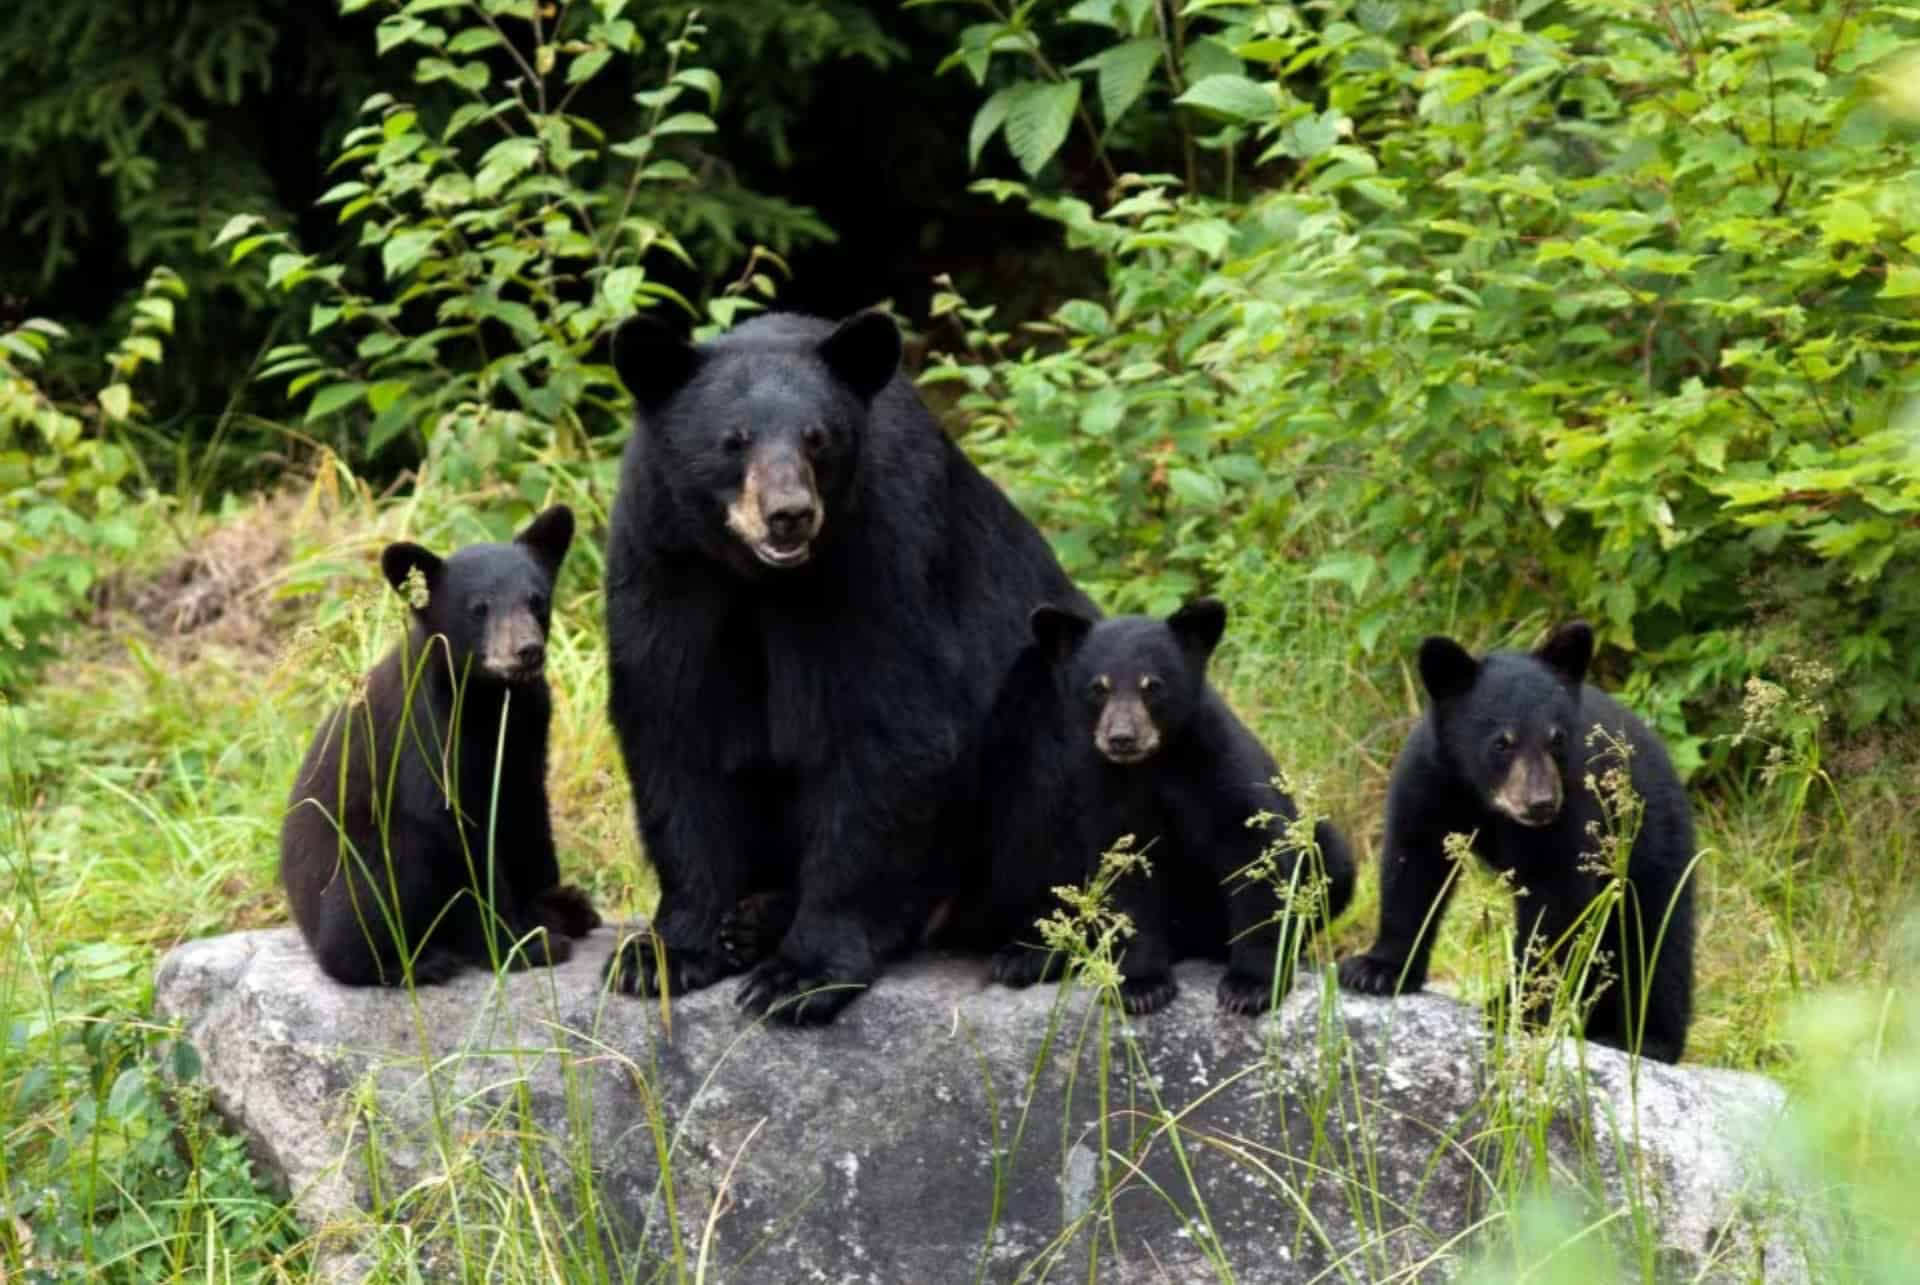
x: 1132, y: 739
x: 1514, y: 751
x: 402, y: 808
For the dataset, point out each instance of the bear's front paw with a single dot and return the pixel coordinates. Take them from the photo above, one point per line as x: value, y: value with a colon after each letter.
x: 1017, y: 965
x: 1372, y: 975
x: 753, y: 929
x: 1249, y: 993
x: 431, y: 967
x: 538, y: 949
x: 1141, y: 995
x: 782, y: 990
x: 635, y: 968
x: 566, y: 911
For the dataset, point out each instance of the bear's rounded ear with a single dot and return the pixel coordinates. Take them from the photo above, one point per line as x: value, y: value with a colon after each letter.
x: 653, y: 360
x: 1446, y: 669
x: 1058, y: 630
x: 864, y: 351
x: 547, y: 537
x: 1199, y: 624
x: 1568, y: 651
x: 398, y: 561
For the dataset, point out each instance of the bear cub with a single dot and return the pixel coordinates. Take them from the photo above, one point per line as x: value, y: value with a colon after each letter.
x: 1147, y: 747
x: 1509, y: 752
x: 386, y: 839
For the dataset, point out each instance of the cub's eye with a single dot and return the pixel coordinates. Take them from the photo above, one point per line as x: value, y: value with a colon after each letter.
x: 478, y: 608
x: 734, y: 442
x: 1149, y: 684
x: 1502, y: 743
x: 1100, y: 686
x: 814, y: 438
x: 538, y: 604
x: 1556, y: 740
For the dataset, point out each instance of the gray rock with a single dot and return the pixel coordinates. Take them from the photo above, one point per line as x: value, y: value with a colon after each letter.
x: 915, y: 1140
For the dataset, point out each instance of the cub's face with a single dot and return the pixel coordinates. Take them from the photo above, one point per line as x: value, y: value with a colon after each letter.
x: 492, y: 603
x: 1131, y: 682
x: 759, y: 443
x: 1511, y: 723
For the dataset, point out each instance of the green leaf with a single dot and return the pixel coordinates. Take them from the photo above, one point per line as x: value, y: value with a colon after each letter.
x: 473, y: 40
x: 116, y: 400
x: 1102, y: 412
x: 1903, y: 282
x: 334, y: 397
x: 504, y: 162
x: 1354, y: 570
x: 703, y: 80
x: 1233, y: 97
x: 1201, y: 490
x: 238, y: 225
x: 587, y: 65
x: 1844, y: 222
x: 685, y: 123
x: 1123, y: 71
x: 1038, y: 122
x: 403, y: 252
x: 987, y: 121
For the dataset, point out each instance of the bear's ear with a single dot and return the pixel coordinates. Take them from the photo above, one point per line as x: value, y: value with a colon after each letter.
x: 653, y: 361
x: 548, y: 536
x: 1058, y: 630
x: 864, y: 351
x: 1568, y: 651
x: 397, y: 561
x: 1446, y: 669
x: 1199, y: 624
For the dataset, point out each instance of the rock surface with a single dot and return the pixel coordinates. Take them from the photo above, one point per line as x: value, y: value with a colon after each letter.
x: 1361, y: 1132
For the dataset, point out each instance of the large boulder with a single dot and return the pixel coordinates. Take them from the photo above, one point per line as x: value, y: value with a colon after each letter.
x: 947, y: 1130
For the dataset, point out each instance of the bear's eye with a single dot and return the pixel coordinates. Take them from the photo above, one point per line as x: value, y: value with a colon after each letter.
x: 1556, y: 740
x: 1100, y: 686
x: 478, y: 608
x: 814, y: 438
x: 1502, y: 743
x: 735, y: 441
x: 538, y: 604
x: 1149, y: 684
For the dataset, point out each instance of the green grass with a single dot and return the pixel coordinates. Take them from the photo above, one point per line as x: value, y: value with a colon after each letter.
x: 142, y: 780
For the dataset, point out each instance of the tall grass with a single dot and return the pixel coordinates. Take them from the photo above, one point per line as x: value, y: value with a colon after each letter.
x: 140, y: 792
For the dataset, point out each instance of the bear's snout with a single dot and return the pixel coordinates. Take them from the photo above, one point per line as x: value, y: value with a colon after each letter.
x: 1531, y: 793
x: 777, y: 513
x: 1125, y: 732
x: 515, y: 648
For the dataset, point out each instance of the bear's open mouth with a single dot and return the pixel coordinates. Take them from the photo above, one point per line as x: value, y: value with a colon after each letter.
x: 777, y: 556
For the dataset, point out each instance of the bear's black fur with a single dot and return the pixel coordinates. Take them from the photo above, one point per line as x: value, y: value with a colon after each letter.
x: 1129, y: 737
x: 386, y: 840
x: 1506, y: 753
x: 811, y: 596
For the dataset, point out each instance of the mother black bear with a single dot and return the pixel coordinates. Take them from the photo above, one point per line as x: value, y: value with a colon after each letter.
x: 811, y: 597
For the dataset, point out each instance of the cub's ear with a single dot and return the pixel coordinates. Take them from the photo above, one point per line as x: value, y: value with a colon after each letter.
x: 1445, y: 668
x: 864, y: 351
x: 1058, y: 630
x: 1568, y: 651
x: 397, y: 560
x: 1199, y: 624
x: 547, y: 537
x: 653, y: 360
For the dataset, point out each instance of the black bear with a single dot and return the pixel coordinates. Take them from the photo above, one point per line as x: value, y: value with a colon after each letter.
x: 1145, y: 746
x: 811, y: 596
x: 403, y: 812
x: 1514, y: 751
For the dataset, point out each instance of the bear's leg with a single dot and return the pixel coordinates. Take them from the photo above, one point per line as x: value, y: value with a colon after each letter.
x: 1416, y: 882
x: 1146, y: 961
x: 1654, y: 1004
x: 826, y: 958
x: 1017, y: 964
x: 754, y: 928
x: 699, y: 847
x: 364, y: 929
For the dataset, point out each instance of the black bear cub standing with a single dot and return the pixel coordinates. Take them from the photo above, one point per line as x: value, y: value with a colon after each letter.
x: 1132, y: 739
x: 402, y: 807
x: 1509, y: 753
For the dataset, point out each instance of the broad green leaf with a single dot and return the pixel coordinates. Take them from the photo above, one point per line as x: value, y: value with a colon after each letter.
x: 987, y: 121
x: 403, y: 251
x: 1123, y: 72
x: 116, y: 400
x: 587, y: 65
x: 238, y: 225
x: 1038, y: 122
x: 1354, y: 570
x: 703, y: 80
x: 1845, y: 222
x: 1231, y: 96
x: 1903, y: 282
x: 686, y: 123
x: 504, y: 162
x: 334, y: 397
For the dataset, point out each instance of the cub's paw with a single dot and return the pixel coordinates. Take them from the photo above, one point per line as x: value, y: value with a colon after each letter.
x: 783, y: 991
x: 1372, y: 975
x: 431, y: 967
x: 566, y: 911
x: 1141, y: 995
x: 753, y: 929
x: 1017, y: 965
x: 634, y: 968
x: 537, y: 949
x: 1248, y: 993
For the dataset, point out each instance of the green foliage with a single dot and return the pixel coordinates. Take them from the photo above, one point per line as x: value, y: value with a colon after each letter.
x: 1576, y: 311
x: 509, y: 236
x: 62, y: 473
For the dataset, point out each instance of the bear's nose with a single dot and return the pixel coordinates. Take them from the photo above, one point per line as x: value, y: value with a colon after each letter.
x: 1540, y: 811
x: 789, y: 523
x: 531, y: 655
x: 1123, y: 742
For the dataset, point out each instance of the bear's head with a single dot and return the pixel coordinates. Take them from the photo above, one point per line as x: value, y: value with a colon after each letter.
x: 759, y: 441
x: 1510, y: 723
x: 491, y: 602
x: 1131, y: 682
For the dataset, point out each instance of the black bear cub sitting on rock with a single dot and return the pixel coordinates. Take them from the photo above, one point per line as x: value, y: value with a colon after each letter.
x: 1509, y: 754
x: 395, y: 824
x: 1126, y: 736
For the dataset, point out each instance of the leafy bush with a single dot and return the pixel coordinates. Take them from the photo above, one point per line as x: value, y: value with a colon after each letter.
x: 62, y: 475
x: 1582, y: 310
